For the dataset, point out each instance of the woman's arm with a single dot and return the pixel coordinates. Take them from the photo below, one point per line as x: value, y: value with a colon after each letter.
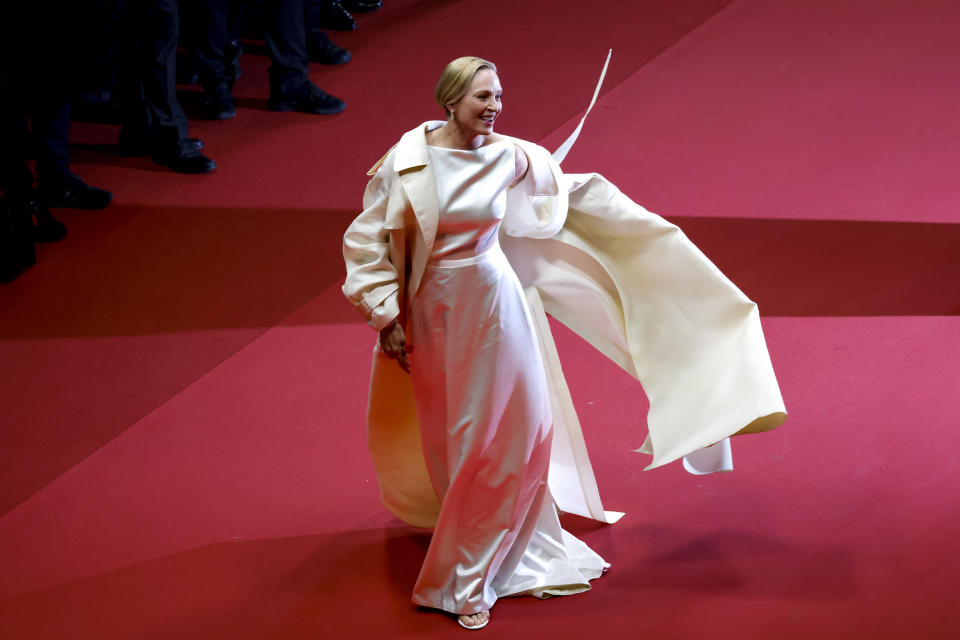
x: 372, y: 282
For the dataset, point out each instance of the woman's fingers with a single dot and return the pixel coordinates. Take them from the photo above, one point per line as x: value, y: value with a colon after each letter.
x: 394, y: 345
x: 400, y: 355
x: 403, y: 362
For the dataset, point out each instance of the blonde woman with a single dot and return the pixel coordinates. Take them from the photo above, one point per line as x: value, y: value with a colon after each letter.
x: 471, y: 455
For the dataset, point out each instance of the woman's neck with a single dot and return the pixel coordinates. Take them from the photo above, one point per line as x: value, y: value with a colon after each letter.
x: 452, y: 136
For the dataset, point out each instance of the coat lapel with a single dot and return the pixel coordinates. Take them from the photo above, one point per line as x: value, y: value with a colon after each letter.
x: 416, y: 178
x: 412, y: 165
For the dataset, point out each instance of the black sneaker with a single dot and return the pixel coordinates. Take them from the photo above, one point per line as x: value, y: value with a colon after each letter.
x: 219, y: 104
x: 310, y: 99
x: 321, y: 49
x: 74, y: 193
x: 46, y: 227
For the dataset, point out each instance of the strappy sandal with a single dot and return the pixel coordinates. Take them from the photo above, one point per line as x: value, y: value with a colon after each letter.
x: 476, y: 626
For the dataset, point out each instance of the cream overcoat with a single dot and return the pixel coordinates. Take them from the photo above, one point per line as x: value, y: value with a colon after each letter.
x: 624, y: 279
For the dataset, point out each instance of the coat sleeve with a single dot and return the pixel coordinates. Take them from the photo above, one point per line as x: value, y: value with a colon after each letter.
x: 372, y: 283
x: 636, y: 288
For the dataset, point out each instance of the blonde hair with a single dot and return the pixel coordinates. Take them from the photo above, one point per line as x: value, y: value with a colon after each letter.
x: 456, y: 79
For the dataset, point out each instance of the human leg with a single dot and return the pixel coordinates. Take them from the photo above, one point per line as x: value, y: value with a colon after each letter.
x: 154, y: 122
x: 290, y: 88
x: 210, y: 43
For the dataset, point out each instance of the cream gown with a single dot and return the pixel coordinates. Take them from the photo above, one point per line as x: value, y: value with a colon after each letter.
x: 483, y: 406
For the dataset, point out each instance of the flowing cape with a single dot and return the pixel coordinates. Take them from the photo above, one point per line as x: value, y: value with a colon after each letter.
x: 624, y: 279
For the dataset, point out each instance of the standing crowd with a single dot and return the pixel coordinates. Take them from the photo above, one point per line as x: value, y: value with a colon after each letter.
x: 131, y: 54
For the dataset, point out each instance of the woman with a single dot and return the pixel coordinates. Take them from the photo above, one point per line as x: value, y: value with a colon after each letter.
x: 425, y: 266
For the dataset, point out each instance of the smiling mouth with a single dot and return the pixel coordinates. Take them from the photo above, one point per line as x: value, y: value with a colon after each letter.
x: 488, y: 119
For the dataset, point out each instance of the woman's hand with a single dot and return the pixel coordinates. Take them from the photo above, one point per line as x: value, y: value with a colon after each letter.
x: 393, y: 343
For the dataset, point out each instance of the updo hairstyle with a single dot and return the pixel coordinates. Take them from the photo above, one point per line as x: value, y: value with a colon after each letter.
x: 456, y: 79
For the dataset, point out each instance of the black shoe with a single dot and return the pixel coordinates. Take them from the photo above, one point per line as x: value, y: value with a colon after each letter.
x: 321, y: 49
x: 361, y: 6
x: 47, y: 228
x: 181, y: 158
x: 331, y: 15
x: 219, y: 104
x: 133, y: 145
x: 309, y: 99
x: 73, y: 193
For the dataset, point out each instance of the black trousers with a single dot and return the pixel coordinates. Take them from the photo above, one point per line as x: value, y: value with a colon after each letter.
x: 205, y: 35
x: 36, y: 86
x: 46, y: 138
x: 284, y: 32
x: 149, y: 73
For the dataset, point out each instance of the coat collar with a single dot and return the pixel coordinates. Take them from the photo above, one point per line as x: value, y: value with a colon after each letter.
x: 412, y: 148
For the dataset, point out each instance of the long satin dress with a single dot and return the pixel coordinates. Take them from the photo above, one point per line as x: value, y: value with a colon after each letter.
x: 483, y: 406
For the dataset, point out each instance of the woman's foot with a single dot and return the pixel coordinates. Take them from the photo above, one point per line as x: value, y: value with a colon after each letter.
x: 474, y: 621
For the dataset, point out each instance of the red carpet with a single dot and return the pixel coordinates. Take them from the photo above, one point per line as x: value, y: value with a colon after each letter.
x: 182, y: 451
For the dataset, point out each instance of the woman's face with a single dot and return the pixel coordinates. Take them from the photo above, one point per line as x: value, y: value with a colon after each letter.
x: 475, y: 112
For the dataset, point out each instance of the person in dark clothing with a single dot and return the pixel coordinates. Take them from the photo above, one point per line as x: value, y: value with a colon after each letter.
x: 37, y: 63
x: 155, y: 123
x: 285, y: 35
x: 211, y: 38
x: 36, y: 87
x: 321, y: 49
x: 290, y: 88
